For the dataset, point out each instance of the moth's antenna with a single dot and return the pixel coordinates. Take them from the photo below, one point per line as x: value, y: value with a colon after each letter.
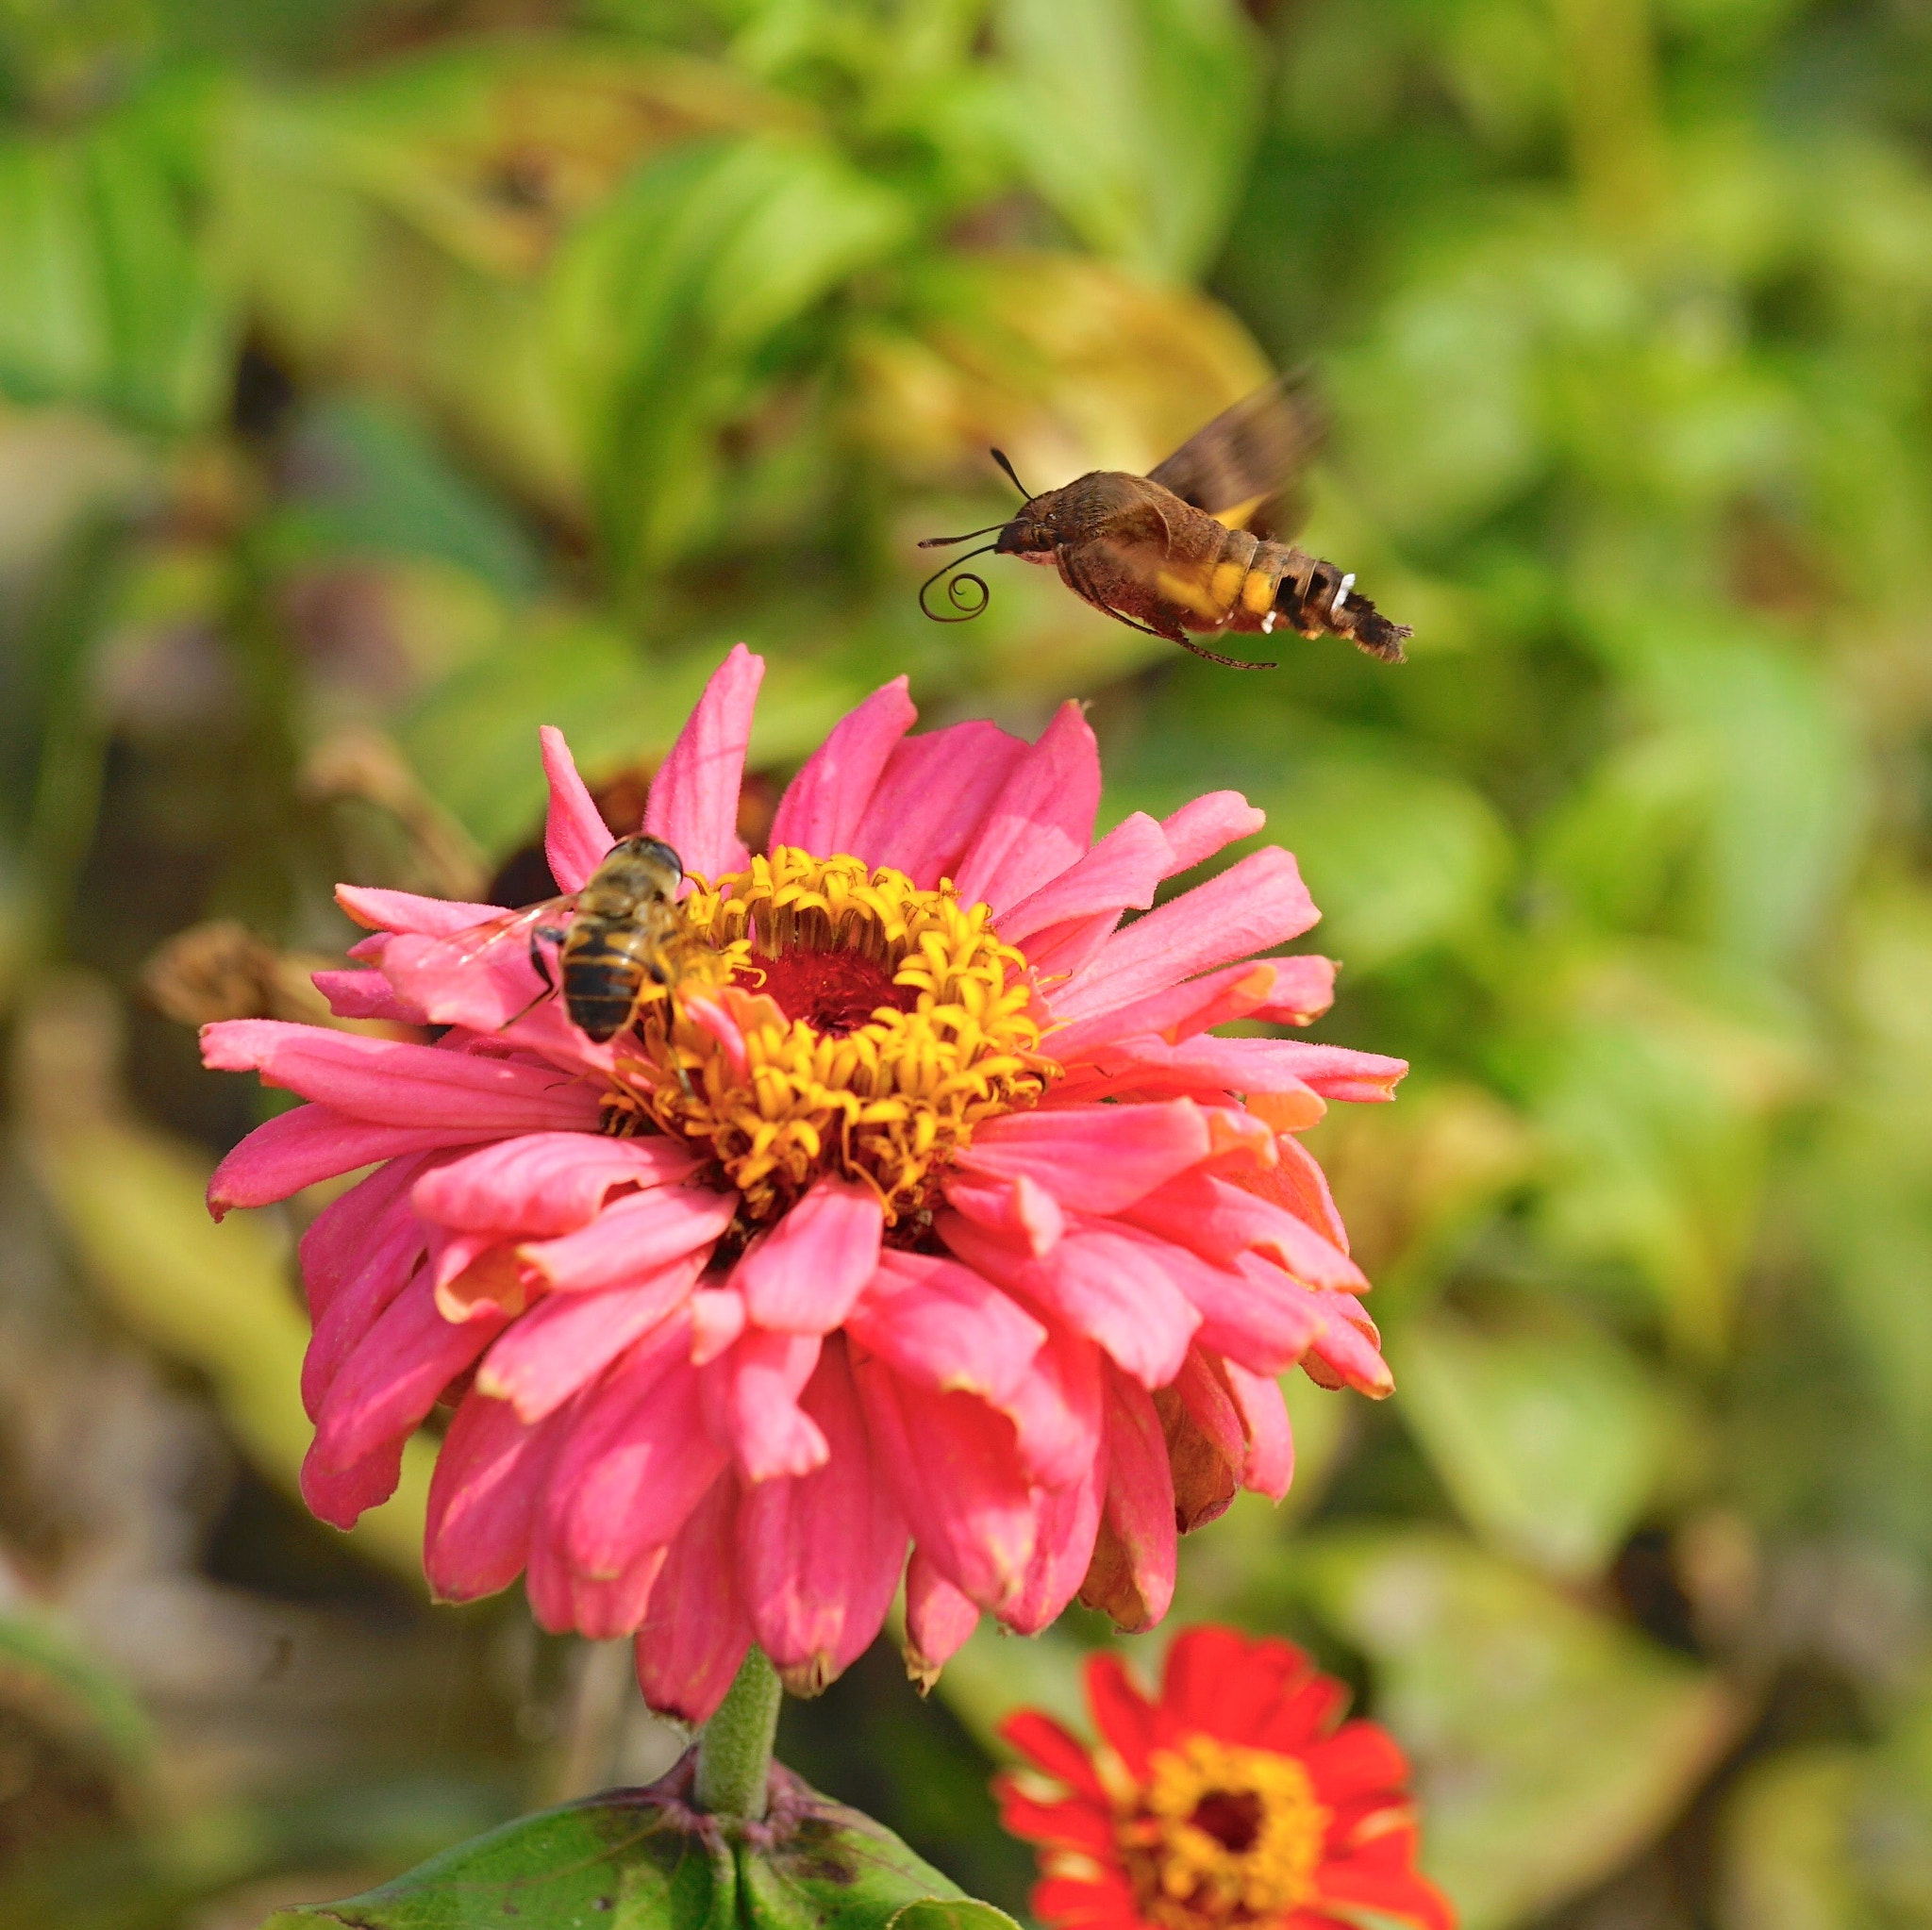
x: 999, y: 455
x: 940, y: 542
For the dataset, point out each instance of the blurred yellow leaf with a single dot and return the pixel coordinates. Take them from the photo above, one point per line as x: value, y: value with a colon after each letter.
x: 216, y: 1298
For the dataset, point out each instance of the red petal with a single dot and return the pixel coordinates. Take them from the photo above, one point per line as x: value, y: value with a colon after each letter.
x: 1055, y: 1749
x: 1121, y: 1712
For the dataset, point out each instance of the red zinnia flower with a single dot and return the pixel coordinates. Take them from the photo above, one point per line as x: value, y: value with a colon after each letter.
x: 1234, y: 1801
x: 927, y: 1209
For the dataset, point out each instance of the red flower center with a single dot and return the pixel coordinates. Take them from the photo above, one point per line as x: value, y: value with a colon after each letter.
x: 1221, y: 1836
x: 1231, y: 1817
x: 834, y: 992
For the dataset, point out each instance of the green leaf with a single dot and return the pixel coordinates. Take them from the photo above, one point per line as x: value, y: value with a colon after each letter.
x: 1397, y: 860
x: 664, y: 308
x: 112, y: 294
x: 1827, y: 1835
x: 642, y: 1859
x: 1134, y: 120
x: 1549, y: 1742
x: 1549, y: 1437
x: 380, y: 488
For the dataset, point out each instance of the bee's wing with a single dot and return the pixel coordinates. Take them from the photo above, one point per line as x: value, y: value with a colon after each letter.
x: 1245, y: 467
x: 479, y: 940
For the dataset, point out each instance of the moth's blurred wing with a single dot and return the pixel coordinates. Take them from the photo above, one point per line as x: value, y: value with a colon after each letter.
x: 1245, y: 468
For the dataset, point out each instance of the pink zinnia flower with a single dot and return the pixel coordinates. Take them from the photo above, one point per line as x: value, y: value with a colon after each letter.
x: 928, y: 1210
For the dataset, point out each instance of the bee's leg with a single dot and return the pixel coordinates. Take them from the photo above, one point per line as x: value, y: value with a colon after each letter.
x: 542, y: 966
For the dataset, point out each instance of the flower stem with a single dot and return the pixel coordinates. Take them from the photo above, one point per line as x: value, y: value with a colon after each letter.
x: 735, y: 1747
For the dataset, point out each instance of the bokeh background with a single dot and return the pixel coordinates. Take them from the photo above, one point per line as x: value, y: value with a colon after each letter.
x: 383, y: 377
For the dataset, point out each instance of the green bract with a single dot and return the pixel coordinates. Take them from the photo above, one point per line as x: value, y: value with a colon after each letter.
x: 645, y: 1859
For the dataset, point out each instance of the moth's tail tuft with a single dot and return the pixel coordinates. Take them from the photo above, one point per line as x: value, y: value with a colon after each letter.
x: 1376, y: 634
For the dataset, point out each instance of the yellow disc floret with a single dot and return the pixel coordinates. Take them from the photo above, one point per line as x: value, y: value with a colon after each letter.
x: 1221, y: 1835
x: 834, y: 1017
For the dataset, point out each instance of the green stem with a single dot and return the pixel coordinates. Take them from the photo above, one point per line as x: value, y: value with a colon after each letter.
x: 735, y: 1749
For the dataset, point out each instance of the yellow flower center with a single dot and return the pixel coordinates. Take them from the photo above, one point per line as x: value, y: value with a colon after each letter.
x: 879, y: 1024
x: 1221, y: 1835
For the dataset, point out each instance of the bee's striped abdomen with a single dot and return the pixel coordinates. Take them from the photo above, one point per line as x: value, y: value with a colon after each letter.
x: 602, y: 977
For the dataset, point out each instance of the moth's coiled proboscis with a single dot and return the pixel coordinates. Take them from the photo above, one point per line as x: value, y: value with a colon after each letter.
x: 960, y: 589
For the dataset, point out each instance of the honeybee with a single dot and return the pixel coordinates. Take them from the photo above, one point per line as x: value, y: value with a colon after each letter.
x: 623, y: 924
x: 1192, y: 545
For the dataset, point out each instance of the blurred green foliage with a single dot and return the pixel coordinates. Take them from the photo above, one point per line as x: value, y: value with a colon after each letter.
x: 383, y: 377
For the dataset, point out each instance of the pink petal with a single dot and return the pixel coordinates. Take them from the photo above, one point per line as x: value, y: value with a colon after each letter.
x: 308, y: 1143
x: 1270, y: 1464
x: 1114, y: 1289
x: 1219, y: 1219
x: 695, y: 1631
x: 945, y: 1327
x: 394, y: 1083
x: 483, y: 980
x: 717, y: 1318
x: 1176, y: 1011
x: 1259, y: 1065
x: 565, y: 1341
x: 401, y: 911
x: 819, y: 1558
x: 1258, y: 903
x: 1250, y: 1310
x: 1208, y: 1409
x: 483, y: 1498
x: 1304, y: 989
x: 632, y: 1237
x: 546, y: 1183
x: 1335, y: 1072
x: 951, y: 1462
x: 803, y: 1276
x: 1204, y: 1067
x: 359, y: 994
x: 1055, y: 1408
x: 1208, y: 825
x: 393, y: 1252
x: 389, y: 1384
x: 750, y: 1401
x: 1347, y: 1351
x: 562, y: 1600
x: 1061, y: 952
x: 638, y: 1458
x: 825, y: 804
x: 1066, y: 1522
x: 1140, y: 1498
x: 716, y: 1019
x: 931, y: 797
x: 938, y: 1618
x: 1041, y: 822
x: 575, y: 837
x: 332, y: 1249
x: 1020, y: 1209
x: 1092, y: 1158
x: 1301, y: 1186
x: 341, y: 1496
x: 693, y: 800
x: 1120, y: 872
